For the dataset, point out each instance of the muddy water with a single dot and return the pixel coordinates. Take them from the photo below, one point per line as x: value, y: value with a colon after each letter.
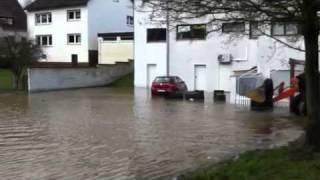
x: 113, y: 134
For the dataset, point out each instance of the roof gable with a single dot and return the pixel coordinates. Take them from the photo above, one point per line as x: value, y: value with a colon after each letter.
x: 54, y: 4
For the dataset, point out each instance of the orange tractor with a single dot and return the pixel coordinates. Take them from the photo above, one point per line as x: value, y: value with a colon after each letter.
x: 264, y: 96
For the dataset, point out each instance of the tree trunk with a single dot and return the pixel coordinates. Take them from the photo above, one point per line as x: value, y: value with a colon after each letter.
x: 17, y: 80
x: 311, y: 33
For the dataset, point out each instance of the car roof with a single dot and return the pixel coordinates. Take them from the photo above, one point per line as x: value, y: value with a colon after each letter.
x: 166, y: 76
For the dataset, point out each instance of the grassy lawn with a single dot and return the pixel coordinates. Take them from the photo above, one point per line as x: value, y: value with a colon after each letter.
x: 5, y: 80
x: 124, y: 82
x: 276, y: 164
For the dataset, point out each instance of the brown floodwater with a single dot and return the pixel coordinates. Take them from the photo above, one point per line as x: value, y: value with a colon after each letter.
x: 107, y: 133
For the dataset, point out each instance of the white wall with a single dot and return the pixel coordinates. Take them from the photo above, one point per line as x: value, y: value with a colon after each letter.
x: 111, y: 52
x: 147, y: 53
x: 263, y: 52
x: 60, y: 51
x: 107, y: 16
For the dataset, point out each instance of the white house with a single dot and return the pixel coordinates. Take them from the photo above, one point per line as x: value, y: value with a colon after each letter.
x: 208, y: 61
x: 68, y: 30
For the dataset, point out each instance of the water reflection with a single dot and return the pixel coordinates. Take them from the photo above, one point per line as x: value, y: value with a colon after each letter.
x: 117, y: 134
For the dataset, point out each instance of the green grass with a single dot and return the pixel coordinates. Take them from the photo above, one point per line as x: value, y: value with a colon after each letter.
x: 5, y: 80
x: 124, y: 82
x: 277, y: 164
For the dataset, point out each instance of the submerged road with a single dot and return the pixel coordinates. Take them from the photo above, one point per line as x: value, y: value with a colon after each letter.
x: 107, y: 133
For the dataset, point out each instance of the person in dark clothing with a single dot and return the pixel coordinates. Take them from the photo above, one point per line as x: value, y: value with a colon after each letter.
x: 301, y: 83
x: 299, y: 102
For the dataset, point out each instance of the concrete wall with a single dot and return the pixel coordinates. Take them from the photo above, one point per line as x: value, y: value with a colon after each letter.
x: 46, y: 79
x: 111, y: 52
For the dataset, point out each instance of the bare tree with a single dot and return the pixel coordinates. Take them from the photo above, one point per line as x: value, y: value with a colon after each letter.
x: 263, y: 12
x: 18, y: 53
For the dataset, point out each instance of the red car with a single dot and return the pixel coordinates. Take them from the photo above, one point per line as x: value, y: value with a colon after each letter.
x: 167, y: 84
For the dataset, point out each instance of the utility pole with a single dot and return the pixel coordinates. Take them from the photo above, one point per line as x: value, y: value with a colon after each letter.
x: 168, y: 38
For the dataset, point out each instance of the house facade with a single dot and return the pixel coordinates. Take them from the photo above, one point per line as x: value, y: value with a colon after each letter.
x: 68, y: 30
x: 209, y: 61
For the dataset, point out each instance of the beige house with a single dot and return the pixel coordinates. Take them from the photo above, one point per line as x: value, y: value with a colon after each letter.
x: 115, y: 47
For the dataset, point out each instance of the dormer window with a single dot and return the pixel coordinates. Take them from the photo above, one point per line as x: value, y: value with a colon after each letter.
x: 74, y: 15
x: 6, y: 21
x: 43, y: 18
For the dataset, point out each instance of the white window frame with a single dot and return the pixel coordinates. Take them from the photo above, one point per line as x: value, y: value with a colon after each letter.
x: 74, y: 11
x: 234, y: 27
x: 285, y: 29
x: 46, y: 15
x: 130, y: 20
x: 76, y: 36
x: 49, y: 40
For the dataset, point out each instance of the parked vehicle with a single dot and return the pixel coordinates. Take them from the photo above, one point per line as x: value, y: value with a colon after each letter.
x: 168, y: 84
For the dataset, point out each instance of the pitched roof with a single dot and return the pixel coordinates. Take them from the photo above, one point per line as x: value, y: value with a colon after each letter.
x: 54, y: 4
x: 317, y: 2
x: 12, y: 9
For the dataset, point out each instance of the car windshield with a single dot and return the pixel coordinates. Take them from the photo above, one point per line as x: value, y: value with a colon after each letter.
x: 163, y: 80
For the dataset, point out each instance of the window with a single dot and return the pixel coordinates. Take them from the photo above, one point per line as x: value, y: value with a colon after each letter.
x: 233, y: 27
x: 44, y: 40
x: 255, y: 30
x: 74, y: 15
x: 157, y: 35
x: 110, y: 38
x: 284, y: 29
x: 43, y: 18
x: 127, y: 38
x: 192, y: 32
x: 129, y: 20
x: 74, y: 39
x: 6, y: 21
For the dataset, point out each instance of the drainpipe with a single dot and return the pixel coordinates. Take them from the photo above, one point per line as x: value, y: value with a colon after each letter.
x: 168, y: 39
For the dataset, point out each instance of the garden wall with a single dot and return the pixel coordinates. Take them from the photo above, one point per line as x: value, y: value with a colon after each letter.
x: 47, y: 79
